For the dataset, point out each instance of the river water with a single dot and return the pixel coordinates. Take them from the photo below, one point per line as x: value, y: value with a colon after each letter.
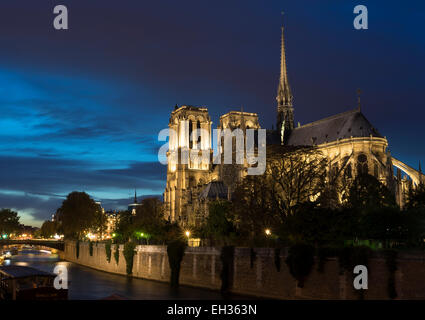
x: 88, y: 284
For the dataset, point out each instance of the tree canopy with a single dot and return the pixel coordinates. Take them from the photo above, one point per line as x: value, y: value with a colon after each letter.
x: 9, y: 221
x: 78, y: 214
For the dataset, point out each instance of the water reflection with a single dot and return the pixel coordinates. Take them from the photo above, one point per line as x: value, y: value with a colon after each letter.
x: 86, y: 283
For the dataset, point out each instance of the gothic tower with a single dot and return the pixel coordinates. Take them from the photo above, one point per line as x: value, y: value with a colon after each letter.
x: 184, y: 170
x: 285, y: 110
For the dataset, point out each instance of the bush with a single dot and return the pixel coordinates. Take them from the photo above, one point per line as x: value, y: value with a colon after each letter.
x: 77, y: 247
x: 129, y: 255
x: 227, y: 257
x: 349, y: 257
x: 252, y: 257
x: 391, y: 262
x: 108, y: 251
x: 300, y: 262
x: 117, y: 253
x: 175, y: 251
x: 277, y: 258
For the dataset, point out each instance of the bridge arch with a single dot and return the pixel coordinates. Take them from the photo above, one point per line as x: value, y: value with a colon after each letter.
x: 59, y: 245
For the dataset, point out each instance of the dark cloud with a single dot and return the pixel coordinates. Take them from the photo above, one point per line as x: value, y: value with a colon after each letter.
x: 50, y: 175
x: 38, y: 208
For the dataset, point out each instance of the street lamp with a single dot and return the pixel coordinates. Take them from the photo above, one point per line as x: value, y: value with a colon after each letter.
x: 187, y: 233
x: 268, y: 232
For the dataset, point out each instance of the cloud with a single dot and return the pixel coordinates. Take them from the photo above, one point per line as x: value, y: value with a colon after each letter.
x: 36, y: 186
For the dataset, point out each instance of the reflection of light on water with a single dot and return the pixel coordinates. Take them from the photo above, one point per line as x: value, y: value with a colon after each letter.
x: 46, y: 251
x: 63, y: 263
x: 21, y: 263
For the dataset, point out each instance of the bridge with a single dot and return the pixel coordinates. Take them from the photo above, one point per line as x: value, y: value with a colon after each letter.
x: 59, y: 245
x: 415, y: 175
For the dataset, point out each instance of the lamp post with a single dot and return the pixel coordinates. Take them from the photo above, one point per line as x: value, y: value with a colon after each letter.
x: 187, y: 234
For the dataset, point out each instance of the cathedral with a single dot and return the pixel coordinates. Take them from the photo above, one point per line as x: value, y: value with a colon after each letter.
x: 347, y: 140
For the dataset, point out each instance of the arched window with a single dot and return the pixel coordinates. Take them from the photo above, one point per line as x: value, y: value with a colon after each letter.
x: 198, y: 128
x: 362, y: 167
x: 190, y: 134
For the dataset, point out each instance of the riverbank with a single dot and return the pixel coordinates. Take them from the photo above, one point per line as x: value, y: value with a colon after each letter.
x: 261, y: 272
x: 89, y: 284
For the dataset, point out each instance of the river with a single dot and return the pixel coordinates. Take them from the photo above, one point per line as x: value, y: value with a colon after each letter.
x: 89, y: 284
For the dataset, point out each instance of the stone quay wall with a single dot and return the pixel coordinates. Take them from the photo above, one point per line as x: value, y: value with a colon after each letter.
x: 263, y: 274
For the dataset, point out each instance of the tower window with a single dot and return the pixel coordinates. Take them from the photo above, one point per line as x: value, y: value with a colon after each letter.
x: 190, y: 134
x: 198, y: 128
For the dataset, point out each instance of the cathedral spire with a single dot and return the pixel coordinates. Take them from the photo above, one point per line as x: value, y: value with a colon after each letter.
x: 135, y: 196
x: 285, y: 111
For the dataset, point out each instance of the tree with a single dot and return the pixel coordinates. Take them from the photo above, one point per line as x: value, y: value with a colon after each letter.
x: 367, y: 192
x: 296, y: 177
x: 317, y: 226
x: 293, y: 177
x: 78, y: 214
x: 124, y: 227
x: 148, y: 222
x: 253, y: 207
x: 48, y: 229
x: 9, y: 221
x: 416, y: 197
x: 99, y: 224
x: 415, y: 215
x: 150, y: 218
x: 383, y: 223
x: 218, y: 225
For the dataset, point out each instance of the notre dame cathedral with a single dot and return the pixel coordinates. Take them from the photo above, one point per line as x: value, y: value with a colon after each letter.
x: 347, y: 140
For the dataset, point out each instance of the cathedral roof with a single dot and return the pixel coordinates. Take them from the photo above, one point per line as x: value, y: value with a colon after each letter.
x: 341, y: 126
x: 214, y: 190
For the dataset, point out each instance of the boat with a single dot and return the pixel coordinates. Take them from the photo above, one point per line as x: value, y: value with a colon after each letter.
x: 26, y: 283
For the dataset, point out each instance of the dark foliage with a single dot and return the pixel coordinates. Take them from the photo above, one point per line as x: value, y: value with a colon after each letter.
x: 91, y: 248
x: 117, y: 253
x: 79, y: 213
x: 129, y: 256
x: 227, y: 258
x: 175, y: 251
x: 252, y: 257
x: 77, y: 248
x: 391, y: 262
x: 108, y: 251
x: 300, y: 262
x: 9, y: 221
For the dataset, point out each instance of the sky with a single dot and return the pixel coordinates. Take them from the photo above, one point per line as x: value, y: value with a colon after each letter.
x: 81, y: 109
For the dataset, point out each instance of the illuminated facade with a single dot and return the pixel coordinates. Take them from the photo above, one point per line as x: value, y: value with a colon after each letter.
x: 348, y: 140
